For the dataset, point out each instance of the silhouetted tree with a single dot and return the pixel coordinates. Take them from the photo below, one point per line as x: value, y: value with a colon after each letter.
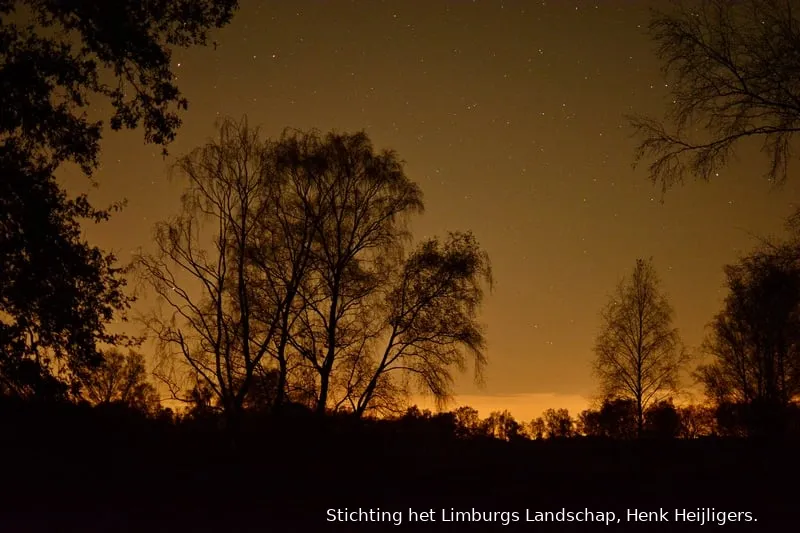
x: 616, y: 419
x: 428, y: 424
x: 558, y: 423
x: 262, y: 394
x: 431, y: 319
x: 215, y: 326
x: 468, y: 423
x: 755, y: 340
x: 201, y: 400
x: 639, y: 353
x: 697, y: 421
x: 413, y: 412
x: 301, y: 388
x: 58, y: 292
x: 444, y: 424
x: 732, y: 69
x: 620, y: 418
x: 359, y: 197
x: 537, y: 428
x: 502, y: 425
x: 662, y: 420
x: 735, y: 419
x: 587, y: 423
x: 122, y: 379
x: 281, y: 252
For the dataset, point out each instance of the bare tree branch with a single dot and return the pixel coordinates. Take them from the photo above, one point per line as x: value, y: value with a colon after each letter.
x: 733, y: 72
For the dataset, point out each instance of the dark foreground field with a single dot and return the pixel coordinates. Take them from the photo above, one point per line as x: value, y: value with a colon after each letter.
x: 78, y: 473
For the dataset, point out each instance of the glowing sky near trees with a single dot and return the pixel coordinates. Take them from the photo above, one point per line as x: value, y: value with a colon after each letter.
x: 510, y: 117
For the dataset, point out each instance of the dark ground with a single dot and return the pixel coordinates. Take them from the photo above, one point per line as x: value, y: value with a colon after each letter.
x: 77, y: 473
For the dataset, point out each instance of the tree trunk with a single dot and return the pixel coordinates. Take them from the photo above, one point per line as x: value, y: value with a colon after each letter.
x: 280, y: 390
x: 327, y: 365
x: 322, y: 400
x: 639, y: 418
x: 232, y: 421
x: 366, y: 397
x: 373, y: 382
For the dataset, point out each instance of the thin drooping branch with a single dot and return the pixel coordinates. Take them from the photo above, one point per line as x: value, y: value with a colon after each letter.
x: 432, y: 317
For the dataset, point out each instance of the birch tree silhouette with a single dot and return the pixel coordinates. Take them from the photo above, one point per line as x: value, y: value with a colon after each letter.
x: 638, y: 352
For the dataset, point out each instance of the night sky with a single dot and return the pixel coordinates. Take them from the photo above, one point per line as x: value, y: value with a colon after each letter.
x: 510, y: 116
